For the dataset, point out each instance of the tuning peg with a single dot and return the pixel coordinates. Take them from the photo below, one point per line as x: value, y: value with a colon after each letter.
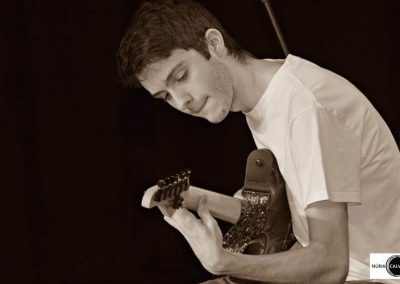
x: 181, y: 174
x: 171, y: 179
x: 168, y: 180
x: 177, y: 203
x: 157, y: 197
x: 167, y: 192
x: 178, y: 188
x: 161, y: 183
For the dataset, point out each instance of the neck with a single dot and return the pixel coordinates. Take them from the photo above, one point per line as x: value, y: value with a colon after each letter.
x: 251, y: 79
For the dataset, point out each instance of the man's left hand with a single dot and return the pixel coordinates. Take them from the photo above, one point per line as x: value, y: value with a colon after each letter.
x: 204, y: 235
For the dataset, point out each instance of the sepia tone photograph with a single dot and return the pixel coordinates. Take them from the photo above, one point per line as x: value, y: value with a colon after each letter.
x: 200, y: 141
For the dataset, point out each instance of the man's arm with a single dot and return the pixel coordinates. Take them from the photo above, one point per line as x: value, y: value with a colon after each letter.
x: 324, y: 260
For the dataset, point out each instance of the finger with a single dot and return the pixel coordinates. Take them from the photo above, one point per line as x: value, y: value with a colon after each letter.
x: 172, y: 222
x: 166, y: 211
x: 176, y: 225
x: 181, y: 229
x: 204, y: 212
x: 185, y: 217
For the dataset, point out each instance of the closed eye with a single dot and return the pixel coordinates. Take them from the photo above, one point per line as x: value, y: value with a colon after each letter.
x: 181, y: 76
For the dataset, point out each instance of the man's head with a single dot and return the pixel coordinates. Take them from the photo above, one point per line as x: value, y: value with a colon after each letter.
x: 159, y: 27
x: 172, y: 48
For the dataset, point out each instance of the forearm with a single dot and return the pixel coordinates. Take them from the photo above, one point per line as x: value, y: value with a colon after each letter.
x: 312, y: 264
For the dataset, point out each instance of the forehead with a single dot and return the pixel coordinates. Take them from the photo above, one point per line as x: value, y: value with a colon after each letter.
x: 154, y: 75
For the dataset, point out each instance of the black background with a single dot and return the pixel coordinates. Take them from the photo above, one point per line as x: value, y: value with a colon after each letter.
x: 79, y: 150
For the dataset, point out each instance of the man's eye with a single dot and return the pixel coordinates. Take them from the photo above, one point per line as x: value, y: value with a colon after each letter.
x: 181, y: 76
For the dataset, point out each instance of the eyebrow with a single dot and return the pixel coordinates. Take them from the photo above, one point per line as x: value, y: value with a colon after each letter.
x: 168, y: 79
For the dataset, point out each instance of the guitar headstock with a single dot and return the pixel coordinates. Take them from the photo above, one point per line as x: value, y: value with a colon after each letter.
x: 167, y: 192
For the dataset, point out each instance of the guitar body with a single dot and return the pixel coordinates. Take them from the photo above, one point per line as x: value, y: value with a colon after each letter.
x: 265, y: 223
x: 262, y: 219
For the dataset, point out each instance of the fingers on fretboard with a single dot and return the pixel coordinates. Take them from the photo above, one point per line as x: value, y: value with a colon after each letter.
x: 170, y: 188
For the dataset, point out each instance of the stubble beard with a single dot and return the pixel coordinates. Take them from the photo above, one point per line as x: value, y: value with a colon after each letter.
x: 221, y: 85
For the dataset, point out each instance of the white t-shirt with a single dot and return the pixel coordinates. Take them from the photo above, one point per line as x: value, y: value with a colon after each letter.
x: 331, y: 144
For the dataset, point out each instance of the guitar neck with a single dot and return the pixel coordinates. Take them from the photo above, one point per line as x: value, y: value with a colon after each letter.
x: 221, y: 206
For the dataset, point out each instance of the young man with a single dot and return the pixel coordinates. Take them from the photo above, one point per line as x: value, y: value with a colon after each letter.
x: 338, y: 158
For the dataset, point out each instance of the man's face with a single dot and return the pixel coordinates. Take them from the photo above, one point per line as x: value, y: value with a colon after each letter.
x: 191, y: 84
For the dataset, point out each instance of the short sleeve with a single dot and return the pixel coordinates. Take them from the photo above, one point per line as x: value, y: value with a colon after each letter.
x: 326, y: 157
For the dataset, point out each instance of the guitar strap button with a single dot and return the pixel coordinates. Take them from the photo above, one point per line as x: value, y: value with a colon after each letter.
x: 259, y: 163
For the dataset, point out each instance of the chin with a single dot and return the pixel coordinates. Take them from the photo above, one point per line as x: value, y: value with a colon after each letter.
x: 218, y: 118
x: 214, y: 121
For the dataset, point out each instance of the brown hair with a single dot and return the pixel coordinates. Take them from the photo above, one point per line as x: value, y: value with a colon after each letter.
x: 159, y: 27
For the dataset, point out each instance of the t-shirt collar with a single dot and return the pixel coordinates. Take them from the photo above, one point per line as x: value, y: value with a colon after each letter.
x: 259, y: 109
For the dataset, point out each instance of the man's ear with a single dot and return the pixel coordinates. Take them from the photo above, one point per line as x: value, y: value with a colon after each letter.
x: 215, y: 42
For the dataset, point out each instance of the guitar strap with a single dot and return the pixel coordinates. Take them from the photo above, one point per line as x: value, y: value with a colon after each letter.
x: 265, y: 224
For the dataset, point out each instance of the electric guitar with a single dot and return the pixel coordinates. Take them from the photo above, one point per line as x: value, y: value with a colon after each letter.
x: 173, y: 192
x: 261, y: 217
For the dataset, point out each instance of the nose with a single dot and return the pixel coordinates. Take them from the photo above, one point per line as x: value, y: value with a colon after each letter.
x: 183, y: 101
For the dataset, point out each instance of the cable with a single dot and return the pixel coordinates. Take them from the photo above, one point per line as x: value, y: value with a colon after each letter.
x: 276, y: 26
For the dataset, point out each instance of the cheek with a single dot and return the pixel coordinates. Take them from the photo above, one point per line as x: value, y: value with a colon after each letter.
x: 213, y: 80
x: 220, y: 80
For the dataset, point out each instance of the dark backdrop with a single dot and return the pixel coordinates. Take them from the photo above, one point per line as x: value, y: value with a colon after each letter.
x: 79, y: 150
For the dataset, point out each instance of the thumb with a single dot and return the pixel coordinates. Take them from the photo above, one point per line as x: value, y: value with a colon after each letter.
x: 172, y: 222
x: 204, y: 212
x: 175, y: 224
